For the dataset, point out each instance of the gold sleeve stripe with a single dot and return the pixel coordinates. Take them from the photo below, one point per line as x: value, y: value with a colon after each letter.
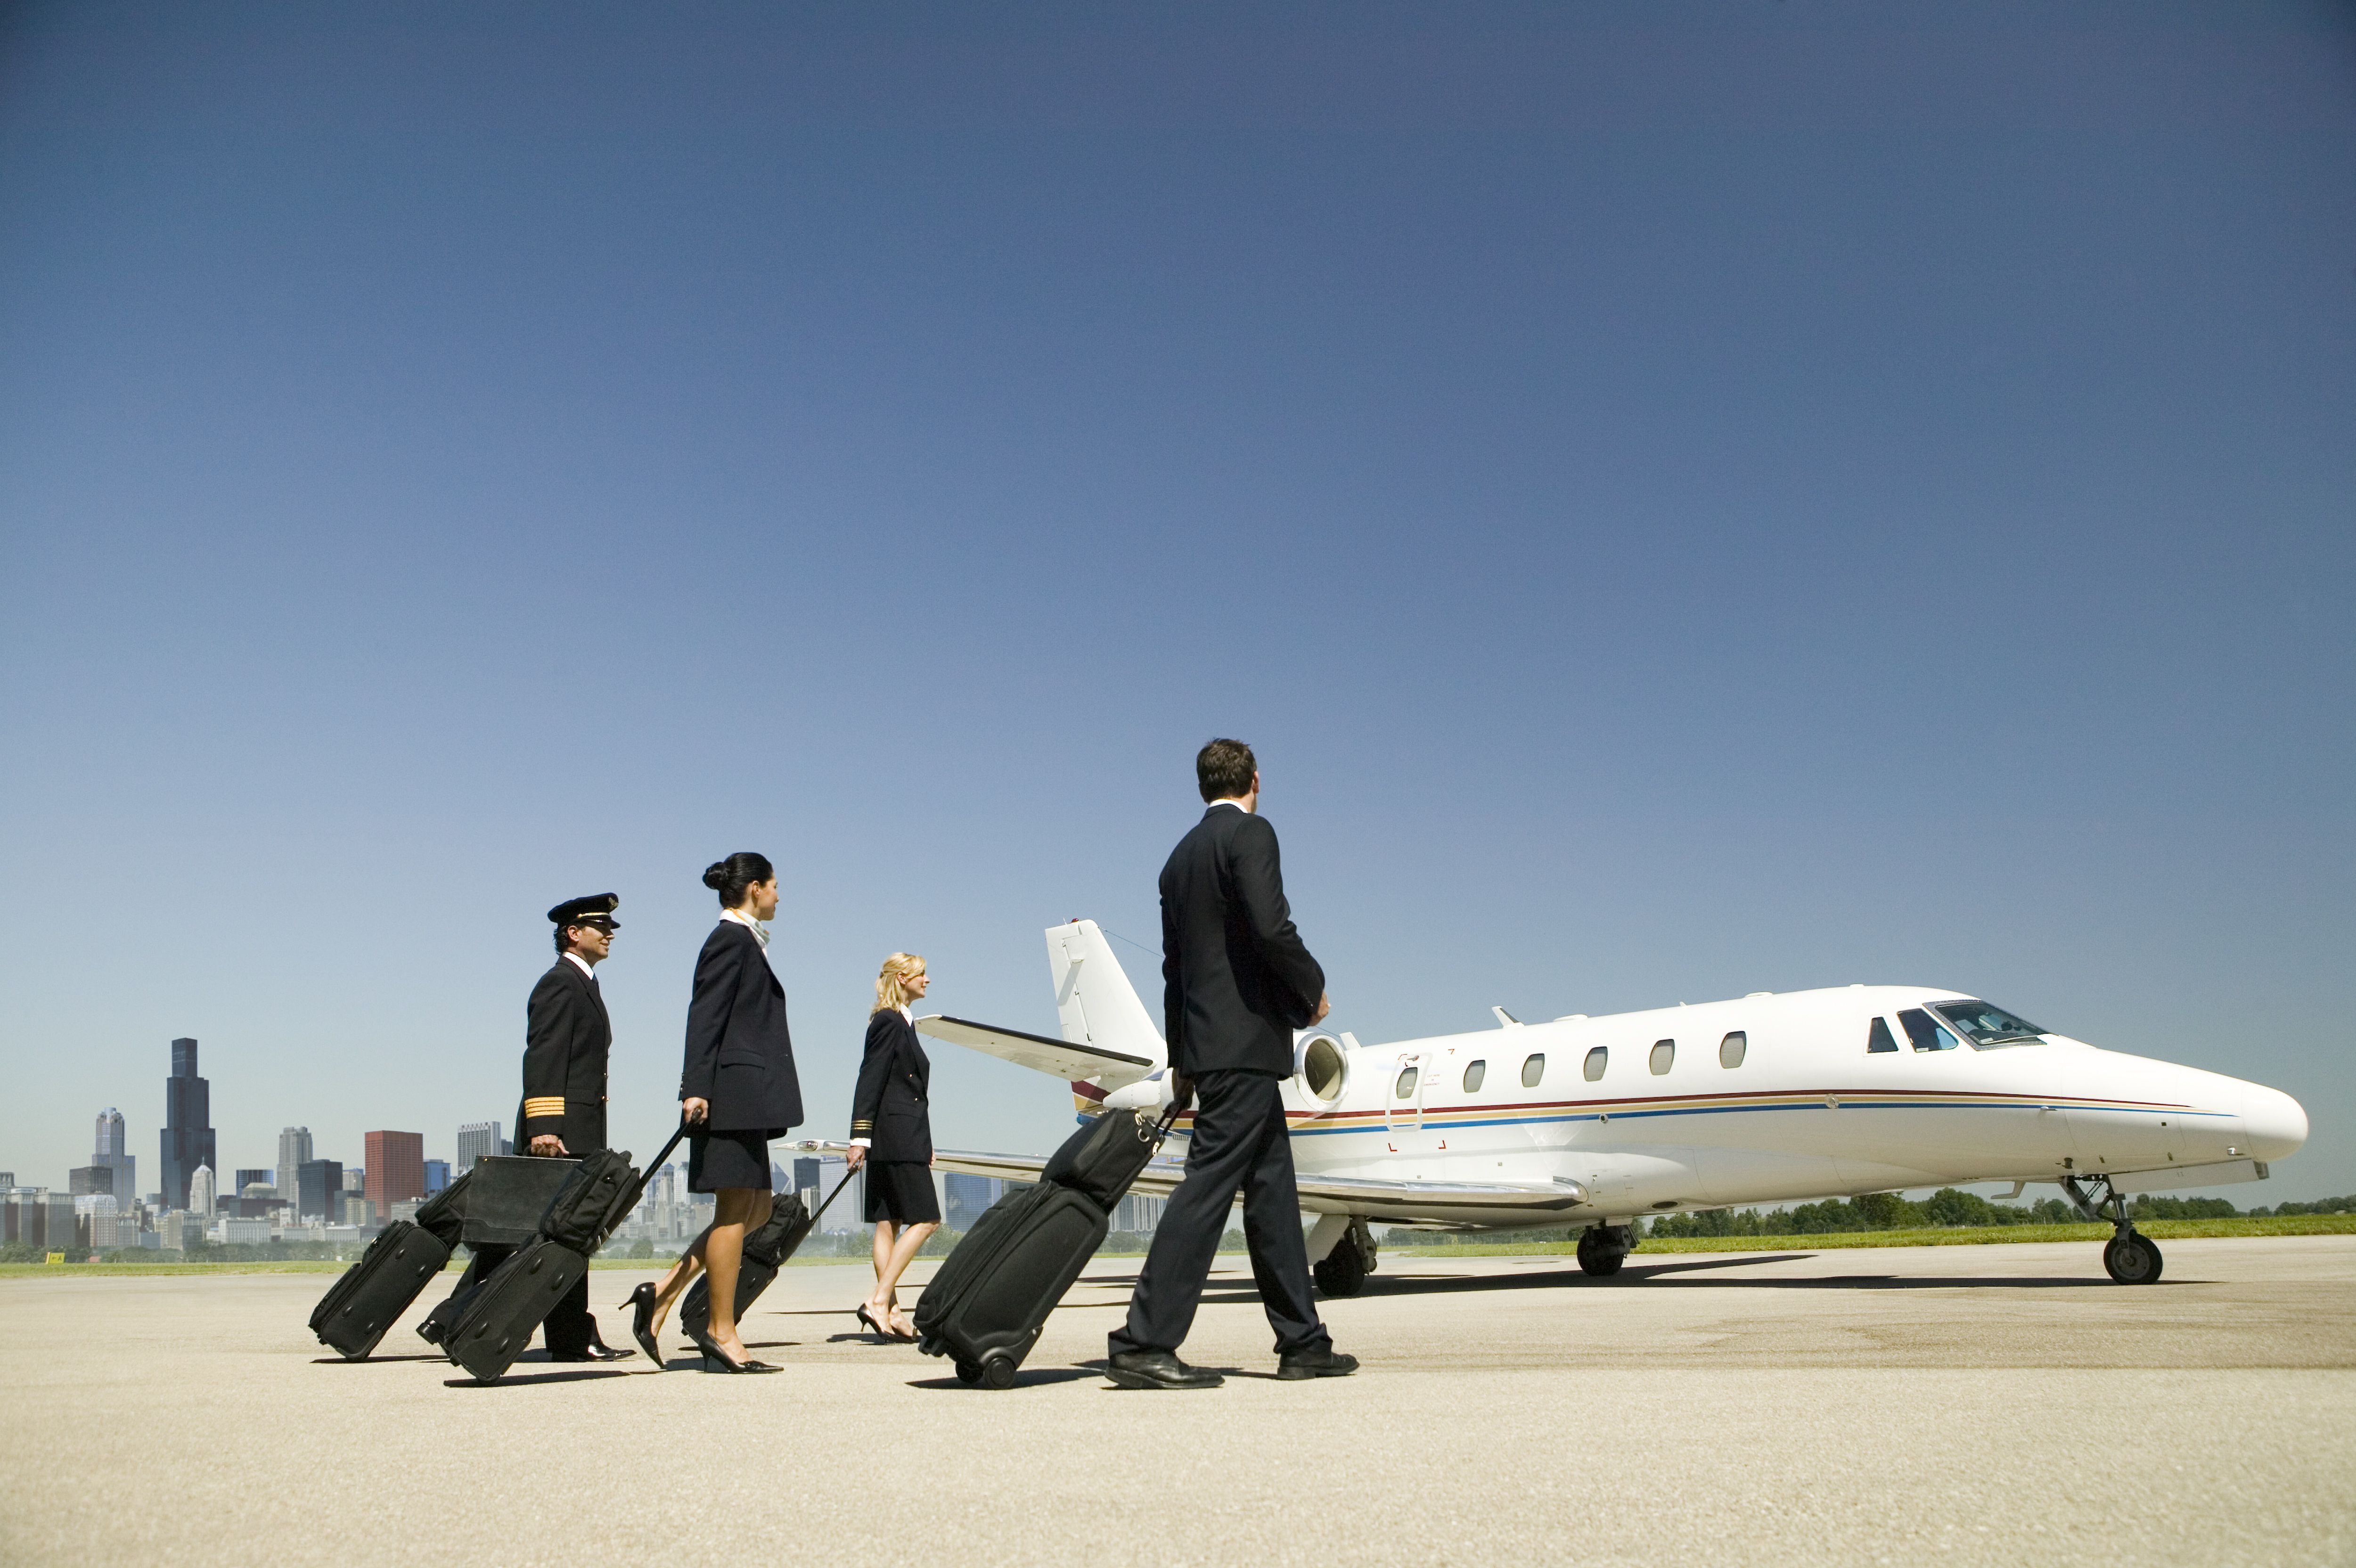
x: 546, y: 1105
x: 861, y: 1126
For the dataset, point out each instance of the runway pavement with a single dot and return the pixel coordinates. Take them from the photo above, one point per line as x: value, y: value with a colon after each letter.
x: 1985, y: 1405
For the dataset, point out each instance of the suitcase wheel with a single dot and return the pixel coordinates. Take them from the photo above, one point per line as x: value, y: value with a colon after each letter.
x: 998, y: 1371
x: 969, y: 1372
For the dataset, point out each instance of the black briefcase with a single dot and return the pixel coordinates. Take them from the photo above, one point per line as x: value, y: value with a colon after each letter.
x: 507, y: 1194
x: 498, y: 1318
x: 370, y: 1297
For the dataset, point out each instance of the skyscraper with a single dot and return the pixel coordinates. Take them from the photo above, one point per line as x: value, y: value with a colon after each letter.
x: 319, y: 1190
x: 110, y: 1149
x: 200, y: 1192
x: 396, y: 1168
x: 293, y: 1152
x: 437, y: 1176
x: 187, y: 1130
x: 478, y: 1140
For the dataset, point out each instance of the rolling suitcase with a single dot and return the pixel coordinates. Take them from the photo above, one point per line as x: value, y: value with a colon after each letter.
x: 497, y: 1321
x: 765, y: 1252
x: 990, y: 1301
x: 370, y: 1297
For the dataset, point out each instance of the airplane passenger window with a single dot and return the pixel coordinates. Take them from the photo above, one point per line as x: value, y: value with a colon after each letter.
x: 1533, y: 1070
x: 1925, y: 1034
x: 1664, y: 1052
x: 1473, y: 1075
x: 1595, y: 1061
x: 1877, y: 1037
x: 1731, y: 1049
x: 1405, y: 1082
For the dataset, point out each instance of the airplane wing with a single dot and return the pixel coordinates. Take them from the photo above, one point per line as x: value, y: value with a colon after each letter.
x: 1435, y: 1202
x: 1059, y: 1058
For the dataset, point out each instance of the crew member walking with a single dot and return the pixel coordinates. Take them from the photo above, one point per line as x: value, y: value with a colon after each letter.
x: 891, y: 1134
x: 567, y: 1038
x: 1237, y: 981
x: 738, y: 1086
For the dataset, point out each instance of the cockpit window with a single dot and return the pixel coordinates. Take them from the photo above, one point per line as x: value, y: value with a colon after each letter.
x: 1925, y: 1034
x: 1877, y: 1037
x: 1988, y: 1028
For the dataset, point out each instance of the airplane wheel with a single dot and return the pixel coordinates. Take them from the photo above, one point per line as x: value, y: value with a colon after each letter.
x: 998, y: 1372
x: 2132, y: 1259
x: 969, y: 1372
x: 1596, y: 1253
x: 1342, y: 1271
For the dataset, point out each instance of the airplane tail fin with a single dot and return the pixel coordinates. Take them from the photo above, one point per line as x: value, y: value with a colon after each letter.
x: 1095, y: 1003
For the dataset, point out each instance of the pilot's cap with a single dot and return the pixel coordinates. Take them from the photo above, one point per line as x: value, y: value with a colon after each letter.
x: 596, y: 907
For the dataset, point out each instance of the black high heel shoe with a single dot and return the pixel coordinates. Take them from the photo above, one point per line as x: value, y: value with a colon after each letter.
x: 884, y: 1328
x: 642, y: 1322
x: 714, y: 1354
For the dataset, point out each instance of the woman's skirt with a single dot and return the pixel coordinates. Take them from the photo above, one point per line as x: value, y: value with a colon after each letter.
x: 900, y: 1190
x: 715, y: 1160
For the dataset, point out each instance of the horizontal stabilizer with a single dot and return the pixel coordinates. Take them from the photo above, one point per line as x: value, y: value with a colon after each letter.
x: 1057, y: 1058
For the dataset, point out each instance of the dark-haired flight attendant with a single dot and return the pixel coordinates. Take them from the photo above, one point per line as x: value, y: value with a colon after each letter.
x: 891, y: 1134
x: 737, y: 1089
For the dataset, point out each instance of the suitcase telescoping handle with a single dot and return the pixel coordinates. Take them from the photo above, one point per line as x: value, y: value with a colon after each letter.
x: 832, y: 1196
x: 647, y: 1171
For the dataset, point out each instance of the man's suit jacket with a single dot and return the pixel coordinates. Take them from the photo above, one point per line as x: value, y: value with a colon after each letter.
x: 566, y: 1039
x: 740, y: 1056
x: 1235, y: 980
x: 889, y: 1108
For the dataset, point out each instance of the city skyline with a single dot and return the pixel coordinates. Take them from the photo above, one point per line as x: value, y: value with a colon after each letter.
x: 1681, y: 507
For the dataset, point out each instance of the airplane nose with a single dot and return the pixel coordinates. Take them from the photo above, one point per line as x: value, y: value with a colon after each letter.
x: 2275, y: 1124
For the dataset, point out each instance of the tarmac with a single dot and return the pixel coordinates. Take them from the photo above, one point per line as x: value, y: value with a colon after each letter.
x: 1970, y: 1405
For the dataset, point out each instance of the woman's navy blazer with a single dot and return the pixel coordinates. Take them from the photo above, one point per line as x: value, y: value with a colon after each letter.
x: 740, y: 1057
x: 889, y: 1108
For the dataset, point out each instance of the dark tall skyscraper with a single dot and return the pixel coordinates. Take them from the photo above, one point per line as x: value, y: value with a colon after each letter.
x: 187, y: 1131
x: 319, y: 1190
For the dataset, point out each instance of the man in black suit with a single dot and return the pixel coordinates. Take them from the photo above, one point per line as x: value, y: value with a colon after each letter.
x: 566, y: 1039
x: 1235, y: 982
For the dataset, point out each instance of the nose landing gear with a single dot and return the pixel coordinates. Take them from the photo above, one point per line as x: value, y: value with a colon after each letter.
x: 2129, y: 1257
x: 1344, y: 1271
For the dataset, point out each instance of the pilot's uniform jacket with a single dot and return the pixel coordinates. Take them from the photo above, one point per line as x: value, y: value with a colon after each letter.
x: 889, y: 1108
x: 566, y: 1039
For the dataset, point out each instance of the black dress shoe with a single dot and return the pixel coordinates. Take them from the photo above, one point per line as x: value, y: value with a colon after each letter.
x: 642, y: 1321
x: 1328, y: 1363
x: 1158, y: 1369
x: 594, y: 1353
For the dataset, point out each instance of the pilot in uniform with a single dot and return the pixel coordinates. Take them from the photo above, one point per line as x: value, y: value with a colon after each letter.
x: 566, y: 1037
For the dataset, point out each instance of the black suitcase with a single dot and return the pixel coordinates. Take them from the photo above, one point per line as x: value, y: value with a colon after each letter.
x: 765, y: 1252
x: 988, y: 1302
x: 497, y: 1319
x: 370, y: 1297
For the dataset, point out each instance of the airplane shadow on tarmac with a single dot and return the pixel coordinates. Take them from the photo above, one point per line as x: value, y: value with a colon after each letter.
x: 1664, y: 1276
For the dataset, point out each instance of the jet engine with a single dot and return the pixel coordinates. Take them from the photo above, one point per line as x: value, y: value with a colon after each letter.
x: 1320, y: 1070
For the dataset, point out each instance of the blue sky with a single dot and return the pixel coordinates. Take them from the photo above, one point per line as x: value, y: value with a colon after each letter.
x: 1685, y: 499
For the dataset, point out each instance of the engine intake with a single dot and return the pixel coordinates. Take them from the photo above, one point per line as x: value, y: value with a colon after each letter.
x: 1320, y: 1070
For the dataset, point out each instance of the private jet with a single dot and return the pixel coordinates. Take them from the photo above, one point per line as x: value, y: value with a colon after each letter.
x: 1593, y: 1123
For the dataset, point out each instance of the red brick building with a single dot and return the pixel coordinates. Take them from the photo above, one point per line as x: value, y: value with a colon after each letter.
x: 396, y: 1170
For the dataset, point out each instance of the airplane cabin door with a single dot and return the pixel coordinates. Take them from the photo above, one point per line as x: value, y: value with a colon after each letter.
x: 1403, y: 1108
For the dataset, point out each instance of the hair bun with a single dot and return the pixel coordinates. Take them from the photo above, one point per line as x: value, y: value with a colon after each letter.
x: 715, y: 875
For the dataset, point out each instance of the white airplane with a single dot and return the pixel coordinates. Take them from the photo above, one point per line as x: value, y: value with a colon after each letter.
x: 1594, y: 1122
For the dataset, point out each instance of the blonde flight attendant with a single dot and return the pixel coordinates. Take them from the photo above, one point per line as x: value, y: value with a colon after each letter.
x: 892, y: 1137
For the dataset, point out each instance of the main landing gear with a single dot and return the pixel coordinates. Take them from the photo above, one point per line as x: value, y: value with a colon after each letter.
x: 1602, y: 1248
x: 1344, y: 1271
x: 2129, y: 1257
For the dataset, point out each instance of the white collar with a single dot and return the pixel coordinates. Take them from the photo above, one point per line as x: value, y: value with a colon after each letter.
x: 580, y: 964
x: 759, y: 931
x: 1223, y: 800
x: 909, y: 1015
